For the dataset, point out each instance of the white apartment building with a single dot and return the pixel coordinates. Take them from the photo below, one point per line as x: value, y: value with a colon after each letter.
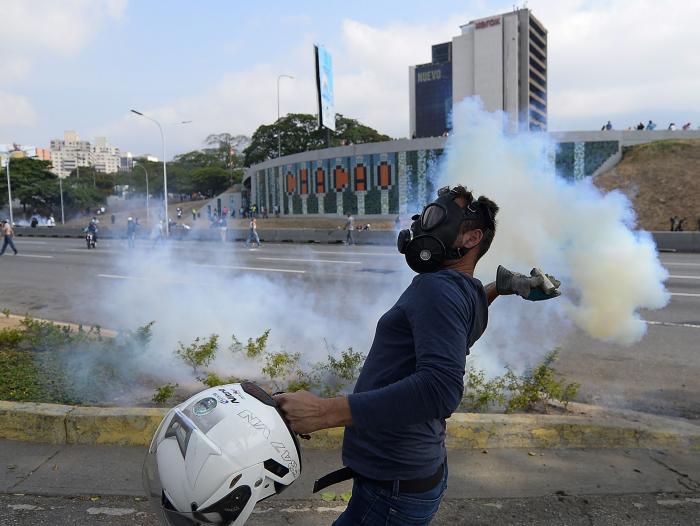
x: 105, y: 158
x: 71, y: 152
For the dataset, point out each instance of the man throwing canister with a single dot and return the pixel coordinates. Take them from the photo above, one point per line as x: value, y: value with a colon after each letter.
x: 413, y: 378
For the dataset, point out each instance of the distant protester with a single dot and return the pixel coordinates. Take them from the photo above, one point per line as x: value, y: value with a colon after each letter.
x: 640, y: 126
x: 607, y: 126
x: 672, y: 126
x: 8, y: 233
x: 651, y: 125
x: 686, y: 126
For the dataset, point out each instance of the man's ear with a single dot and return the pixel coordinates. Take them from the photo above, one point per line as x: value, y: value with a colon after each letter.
x: 472, y: 238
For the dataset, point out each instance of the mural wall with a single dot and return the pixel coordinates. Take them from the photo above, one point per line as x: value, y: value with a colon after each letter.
x: 399, y: 180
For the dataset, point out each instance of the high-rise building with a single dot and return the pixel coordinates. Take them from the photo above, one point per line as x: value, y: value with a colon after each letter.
x: 501, y: 59
x: 71, y: 152
x: 105, y: 158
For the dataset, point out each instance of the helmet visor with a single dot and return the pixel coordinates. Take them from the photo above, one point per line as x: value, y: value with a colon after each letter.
x: 433, y: 216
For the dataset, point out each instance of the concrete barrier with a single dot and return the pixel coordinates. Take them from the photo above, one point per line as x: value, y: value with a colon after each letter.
x: 282, y: 235
x: 677, y: 241
x: 589, y: 427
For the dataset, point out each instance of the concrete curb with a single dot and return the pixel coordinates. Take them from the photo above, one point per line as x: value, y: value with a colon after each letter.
x: 591, y: 427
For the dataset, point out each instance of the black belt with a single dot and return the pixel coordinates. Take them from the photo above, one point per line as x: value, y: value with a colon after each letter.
x: 405, y: 486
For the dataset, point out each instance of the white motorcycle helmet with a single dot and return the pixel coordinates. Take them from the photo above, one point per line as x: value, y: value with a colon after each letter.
x: 218, y: 454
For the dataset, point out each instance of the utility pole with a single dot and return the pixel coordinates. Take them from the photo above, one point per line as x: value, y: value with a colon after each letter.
x: 279, y: 133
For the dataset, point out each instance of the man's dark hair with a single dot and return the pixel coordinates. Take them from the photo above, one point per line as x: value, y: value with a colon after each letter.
x: 486, y: 221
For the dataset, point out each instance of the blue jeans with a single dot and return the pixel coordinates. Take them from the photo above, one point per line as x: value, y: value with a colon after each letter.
x: 371, y: 505
x: 6, y: 243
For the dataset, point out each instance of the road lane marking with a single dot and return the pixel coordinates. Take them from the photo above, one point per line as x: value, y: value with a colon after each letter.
x: 353, y: 253
x: 255, y: 269
x: 313, y: 260
x: 684, y: 277
x: 33, y: 242
x: 117, y: 276
x: 688, y: 294
x: 672, y: 324
x: 34, y: 256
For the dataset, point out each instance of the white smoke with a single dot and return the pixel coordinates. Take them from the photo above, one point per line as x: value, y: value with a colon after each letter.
x: 609, y: 270
x: 195, y: 289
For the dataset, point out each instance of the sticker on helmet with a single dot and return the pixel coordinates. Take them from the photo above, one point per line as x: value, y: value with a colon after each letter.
x: 204, y: 406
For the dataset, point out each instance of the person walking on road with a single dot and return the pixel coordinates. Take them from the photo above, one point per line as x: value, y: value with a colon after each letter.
x: 159, y: 238
x: 131, y: 232
x: 8, y: 233
x: 350, y: 227
x: 253, y: 232
x: 413, y: 377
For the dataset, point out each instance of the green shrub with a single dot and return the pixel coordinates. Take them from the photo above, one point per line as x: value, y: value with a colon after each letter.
x: 198, y: 354
x: 212, y: 380
x: 164, y: 393
x: 283, y: 369
x: 530, y: 391
x: 337, y: 373
x: 481, y: 394
x: 537, y: 387
x: 252, y: 349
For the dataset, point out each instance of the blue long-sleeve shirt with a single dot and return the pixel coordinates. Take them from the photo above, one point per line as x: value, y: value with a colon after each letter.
x: 413, y: 378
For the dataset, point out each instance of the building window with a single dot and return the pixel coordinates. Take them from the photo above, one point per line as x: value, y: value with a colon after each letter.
x: 304, y: 180
x: 537, y: 41
x: 537, y: 78
x: 291, y: 183
x: 320, y: 181
x: 534, y: 89
x: 360, y: 178
x: 384, y: 175
x: 538, y: 116
x: 537, y: 104
x: 537, y: 53
x: 534, y: 64
x: 341, y: 178
x: 534, y: 25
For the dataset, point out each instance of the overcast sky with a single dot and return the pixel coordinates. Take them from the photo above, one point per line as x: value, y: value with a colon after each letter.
x: 82, y: 64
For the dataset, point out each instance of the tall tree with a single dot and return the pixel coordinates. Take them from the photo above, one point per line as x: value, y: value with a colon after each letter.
x: 299, y: 132
x: 33, y: 184
x: 228, y: 147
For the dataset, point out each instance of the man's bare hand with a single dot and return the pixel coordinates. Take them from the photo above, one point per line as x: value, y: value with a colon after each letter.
x: 307, y: 412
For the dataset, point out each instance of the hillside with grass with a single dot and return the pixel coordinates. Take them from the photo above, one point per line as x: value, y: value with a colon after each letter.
x: 662, y: 179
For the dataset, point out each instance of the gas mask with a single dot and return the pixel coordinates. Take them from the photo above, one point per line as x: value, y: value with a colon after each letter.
x: 430, y: 240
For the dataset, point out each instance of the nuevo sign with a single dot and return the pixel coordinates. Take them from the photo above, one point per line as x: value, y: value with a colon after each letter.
x: 427, y: 76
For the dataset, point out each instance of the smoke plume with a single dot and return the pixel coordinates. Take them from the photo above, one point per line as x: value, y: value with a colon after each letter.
x: 587, y: 239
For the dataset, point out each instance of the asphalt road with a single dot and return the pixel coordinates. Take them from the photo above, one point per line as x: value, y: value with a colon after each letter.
x: 551, y: 510
x: 43, y: 484
x: 60, y: 279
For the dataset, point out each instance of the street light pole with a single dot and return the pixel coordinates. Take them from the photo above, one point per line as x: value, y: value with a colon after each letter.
x: 60, y: 186
x: 279, y: 135
x: 165, y: 170
x: 146, y: 172
x: 9, y: 188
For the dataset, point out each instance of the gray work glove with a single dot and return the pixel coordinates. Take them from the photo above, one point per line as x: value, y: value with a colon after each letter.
x: 533, y: 287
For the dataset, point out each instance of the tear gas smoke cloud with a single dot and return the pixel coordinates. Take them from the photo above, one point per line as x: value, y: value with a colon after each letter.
x: 191, y: 290
x: 609, y: 270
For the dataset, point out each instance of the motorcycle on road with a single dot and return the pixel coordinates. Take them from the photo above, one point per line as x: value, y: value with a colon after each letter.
x: 90, y: 240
